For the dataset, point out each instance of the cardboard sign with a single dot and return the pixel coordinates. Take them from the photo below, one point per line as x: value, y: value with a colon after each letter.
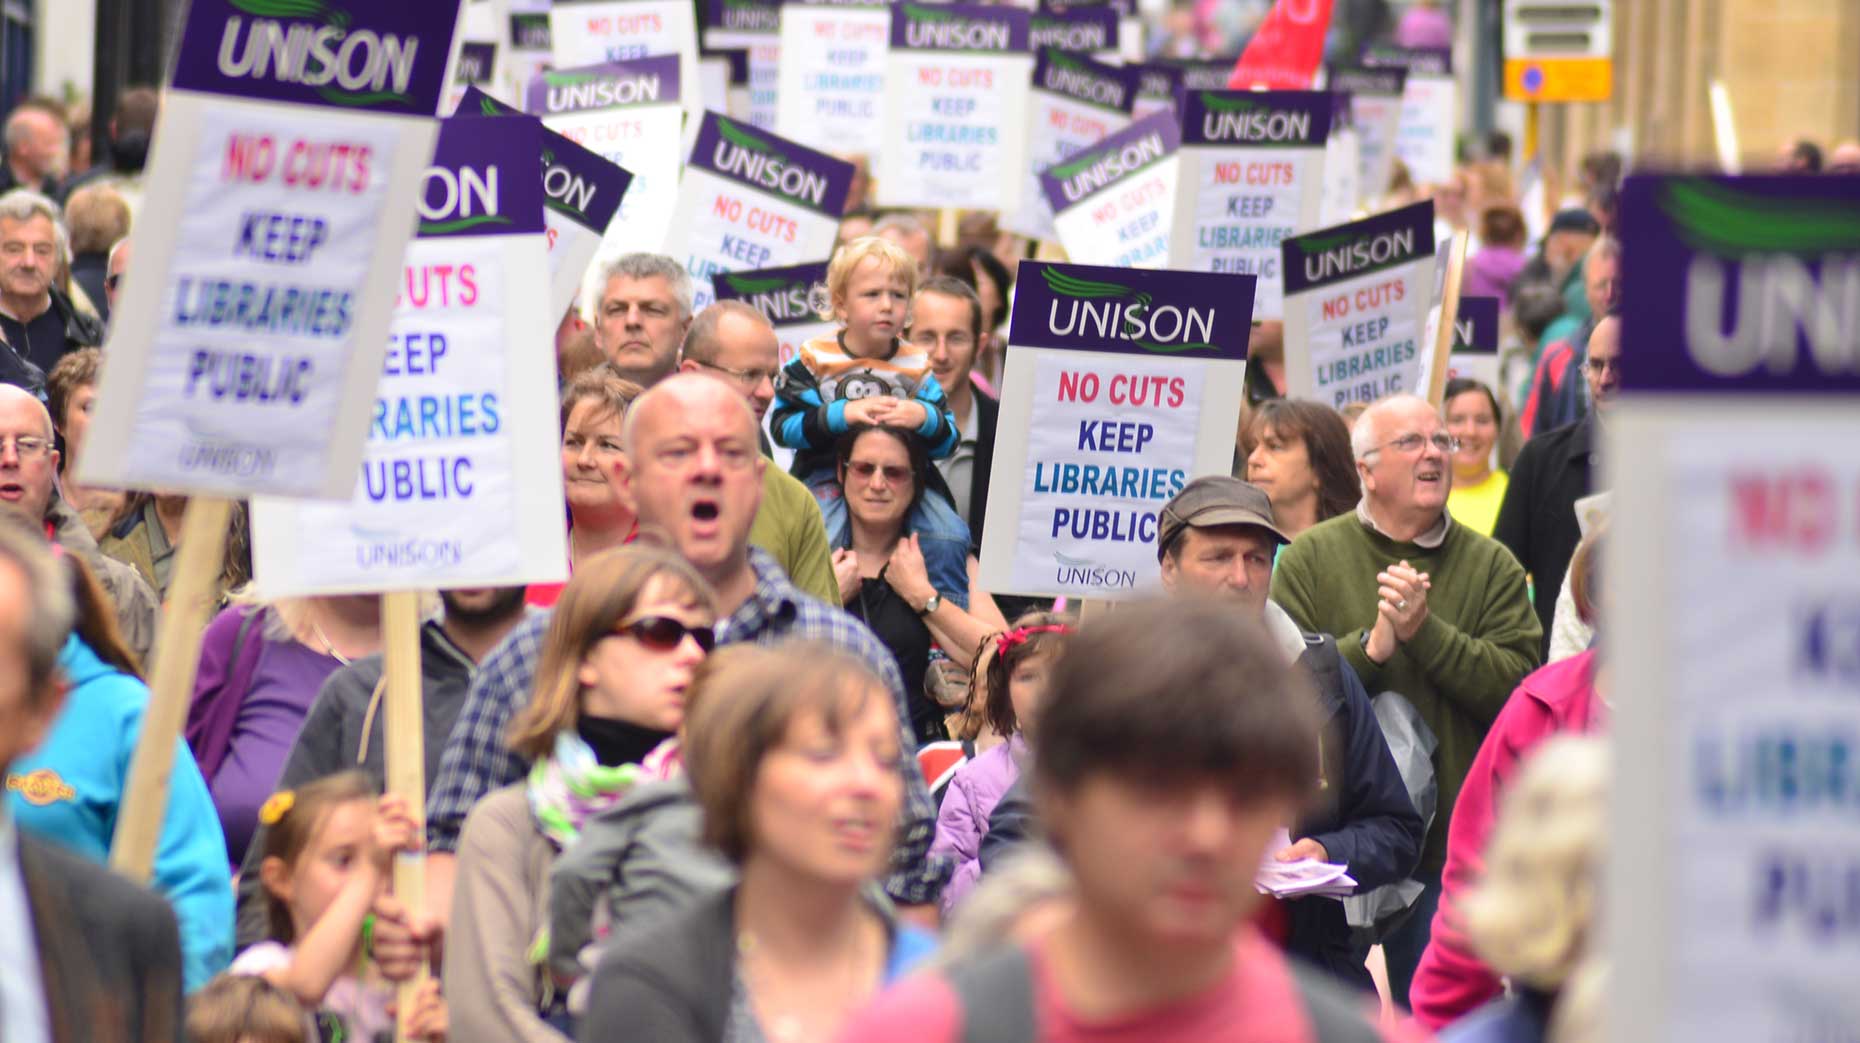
x: 955, y: 97
x: 1429, y: 109
x: 753, y: 200
x: 629, y: 114
x: 1158, y: 86
x: 724, y: 72
x: 611, y: 31
x: 832, y: 87
x: 788, y: 297
x: 461, y: 485
x: 1356, y: 303
x: 1205, y: 74
x: 1375, y: 112
x: 1734, y: 569
x: 753, y: 26
x: 480, y: 56
x: 1078, y: 30
x: 526, y: 39
x: 1075, y: 102
x: 1252, y: 175
x: 1128, y: 44
x: 249, y: 343
x: 1115, y: 201
x: 1475, y: 342
x: 1119, y: 387
x: 581, y: 192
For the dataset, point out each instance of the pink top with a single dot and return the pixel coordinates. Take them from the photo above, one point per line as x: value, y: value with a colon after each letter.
x: 362, y: 1009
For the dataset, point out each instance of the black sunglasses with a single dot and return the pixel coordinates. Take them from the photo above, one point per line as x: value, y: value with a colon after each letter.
x: 663, y: 633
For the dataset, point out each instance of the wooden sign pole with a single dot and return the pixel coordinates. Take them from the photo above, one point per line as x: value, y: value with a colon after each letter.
x: 406, y: 754
x: 1449, y: 315
x: 198, y: 563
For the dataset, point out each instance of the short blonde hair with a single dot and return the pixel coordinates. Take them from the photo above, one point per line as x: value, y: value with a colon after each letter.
x: 847, y: 258
x: 1531, y: 916
x: 242, y: 1008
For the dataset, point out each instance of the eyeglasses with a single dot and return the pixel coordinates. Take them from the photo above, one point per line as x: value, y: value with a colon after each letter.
x: 663, y: 633
x: 1599, y: 367
x: 749, y: 378
x: 110, y: 281
x: 927, y: 339
x: 1412, y: 443
x: 864, y: 470
x: 27, y: 446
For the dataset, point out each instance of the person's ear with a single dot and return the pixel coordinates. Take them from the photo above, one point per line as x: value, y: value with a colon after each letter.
x: 686, y: 365
x: 585, y: 674
x: 623, y: 483
x: 1171, y: 571
x: 57, y: 457
x: 275, y: 877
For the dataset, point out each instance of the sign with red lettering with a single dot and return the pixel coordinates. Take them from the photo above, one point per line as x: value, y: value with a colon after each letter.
x: 832, y: 91
x: 627, y: 113
x: 753, y: 27
x: 1113, y: 202
x: 626, y: 31
x: 1120, y: 386
x: 250, y: 337
x: 1075, y: 102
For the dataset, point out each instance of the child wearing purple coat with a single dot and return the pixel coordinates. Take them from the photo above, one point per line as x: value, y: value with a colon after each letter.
x: 1014, y: 684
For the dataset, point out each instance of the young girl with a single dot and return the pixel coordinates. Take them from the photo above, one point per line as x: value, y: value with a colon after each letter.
x: 869, y: 374
x: 238, y: 1008
x: 1016, y: 682
x: 327, y: 855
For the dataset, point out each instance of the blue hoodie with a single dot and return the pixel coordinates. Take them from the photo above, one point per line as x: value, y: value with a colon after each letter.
x: 68, y: 791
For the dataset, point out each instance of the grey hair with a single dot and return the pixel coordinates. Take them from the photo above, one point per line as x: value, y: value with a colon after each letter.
x: 1606, y: 246
x: 986, y: 919
x: 1363, y: 433
x: 23, y: 204
x: 50, y: 608
x: 903, y: 222
x: 646, y: 266
x: 701, y: 339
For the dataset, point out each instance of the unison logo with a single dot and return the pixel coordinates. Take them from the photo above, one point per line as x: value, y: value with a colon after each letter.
x: 1766, y: 246
x: 1337, y: 255
x: 754, y: 160
x: 1110, y: 311
x: 596, y: 90
x: 467, y: 198
x: 1088, y: 174
x: 1066, y: 76
x: 358, y: 67
x: 946, y: 31
x: 1240, y: 119
x: 779, y: 300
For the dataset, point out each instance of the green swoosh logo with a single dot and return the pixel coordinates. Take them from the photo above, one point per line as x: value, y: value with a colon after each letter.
x: 1089, y: 289
x: 742, y: 285
x: 489, y: 107
x: 743, y: 139
x: 1220, y: 104
x: 928, y: 14
x: 1310, y: 246
x: 461, y: 223
x: 1721, y: 220
x: 293, y: 9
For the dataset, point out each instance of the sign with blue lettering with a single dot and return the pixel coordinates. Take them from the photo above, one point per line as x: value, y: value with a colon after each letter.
x: 1075, y: 102
x: 1429, y: 108
x: 1120, y: 386
x: 1356, y: 303
x: 753, y: 200
x: 832, y: 92
x: 754, y: 27
x: 249, y: 342
x: 1252, y: 175
x: 1114, y: 202
x: 461, y: 484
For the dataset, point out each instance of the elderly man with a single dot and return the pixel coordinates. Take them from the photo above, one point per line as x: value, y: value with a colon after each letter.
x: 86, y: 954
x: 1217, y: 538
x: 38, y: 148
x: 28, y: 464
x: 641, y: 315
x: 39, y: 321
x: 693, y: 472
x: 1420, y: 606
x: 732, y: 342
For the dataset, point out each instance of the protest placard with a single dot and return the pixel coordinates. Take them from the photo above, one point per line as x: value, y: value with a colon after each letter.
x: 480, y: 56
x: 526, y: 29
x: 1375, y: 112
x: 1127, y: 43
x: 724, y: 72
x: 1088, y: 30
x: 581, y: 192
x: 1203, y: 74
x: 1733, y: 571
x: 754, y: 27
x: 1115, y: 201
x: 832, y: 89
x: 1157, y: 88
x: 1475, y: 342
x: 1342, y: 172
x: 1356, y: 303
x: 1429, y: 108
x: 594, y: 32
x: 627, y: 113
x: 751, y: 200
x: 245, y: 352
x: 955, y: 101
x: 1252, y: 174
x: 1120, y: 386
x: 461, y: 484
x: 789, y: 298
x: 1074, y: 103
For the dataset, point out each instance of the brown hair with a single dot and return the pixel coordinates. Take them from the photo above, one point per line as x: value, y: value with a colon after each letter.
x: 96, y: 619
x: 600, y: 594
x: 1502, y: 225
x: 728, y: 736
x: 73, y: 373
x: 578, y: 355
x: 244, y: 1008
x: 304, y: 812
x: 1000, y: 708
x: 605, y: 386
x: 1177, y: 691
x: 1327, y: 447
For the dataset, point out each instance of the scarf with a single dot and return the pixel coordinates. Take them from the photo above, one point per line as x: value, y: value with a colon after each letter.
x: 570, y: 786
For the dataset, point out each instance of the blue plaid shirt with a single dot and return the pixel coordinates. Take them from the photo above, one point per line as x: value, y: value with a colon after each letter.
x: 477, y: 760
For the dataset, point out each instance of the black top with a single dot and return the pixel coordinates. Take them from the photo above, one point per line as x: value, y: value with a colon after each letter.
x: 41, y: 341
x: 616, y: 742
x: 902, y: 630
x: 1537, y: 520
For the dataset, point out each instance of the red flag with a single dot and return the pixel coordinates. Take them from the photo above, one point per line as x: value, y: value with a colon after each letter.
x: 1286, y: 51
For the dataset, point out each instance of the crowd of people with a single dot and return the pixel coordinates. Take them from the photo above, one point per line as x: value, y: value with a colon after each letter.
x: 772, y: 765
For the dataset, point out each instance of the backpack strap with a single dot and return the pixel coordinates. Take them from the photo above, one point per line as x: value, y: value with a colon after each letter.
x: 1335, y: 1018
x: 995, y: 992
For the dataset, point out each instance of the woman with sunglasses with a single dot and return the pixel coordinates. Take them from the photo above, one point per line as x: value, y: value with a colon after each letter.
x: 883, y: 580
x: 627, y: 635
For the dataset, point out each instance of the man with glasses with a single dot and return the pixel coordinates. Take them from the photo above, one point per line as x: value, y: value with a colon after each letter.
x: 1537, y: 521
x: 1419, y: 606
x: 1557, y: 397
x: 946, y: 324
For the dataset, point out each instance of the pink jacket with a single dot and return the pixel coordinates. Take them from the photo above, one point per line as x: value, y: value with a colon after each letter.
x: 1451, y: 981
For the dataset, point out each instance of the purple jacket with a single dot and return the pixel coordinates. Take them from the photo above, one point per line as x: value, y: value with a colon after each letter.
x: 1491, y: 272
x: 963, y: 820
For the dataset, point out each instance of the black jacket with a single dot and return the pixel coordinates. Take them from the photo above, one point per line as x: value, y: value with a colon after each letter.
x: 81, y: 331
x: 1537, y: 521
x: 987, y: 416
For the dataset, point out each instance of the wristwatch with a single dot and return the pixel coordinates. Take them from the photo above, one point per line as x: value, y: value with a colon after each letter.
x: 930, y: 606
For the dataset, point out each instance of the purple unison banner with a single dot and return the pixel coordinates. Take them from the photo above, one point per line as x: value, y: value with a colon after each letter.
x: 639, y: 81
x: 347, y: 54
x: 1204, y: 74
x: 1077, y: 307
x: 481, y: 181
x: 1257, y: 119
x: 1741, y: 284
x: 577, y: 184
x: 783, y: 295
x: 1082, y: 30
x: 1475, y: 330
x: 1158, y: 87
x: 1111, y: 162
x: 1330, y: 255
x: 760, y: 160
x: 959, y: 27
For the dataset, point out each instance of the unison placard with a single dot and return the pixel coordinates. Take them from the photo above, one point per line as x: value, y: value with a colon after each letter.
x: 629, y: 114
x: 1074, y: 103
x: 1115, y: 201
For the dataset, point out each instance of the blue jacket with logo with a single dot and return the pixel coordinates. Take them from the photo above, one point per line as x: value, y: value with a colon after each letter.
x: 68, y: 791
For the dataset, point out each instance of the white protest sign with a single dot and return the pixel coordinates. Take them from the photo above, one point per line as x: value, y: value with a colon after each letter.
x: 627, y: 113
x: 1429, y: 109
x: 1733, y: 587
x: 1075, y: 102
x: 787, y: 297
x: 1252, y: 175
x: 246, y: 349
x: 832, y: 90
x: 461, y: 485
x: 1120, y: 386
x: 1342, y: 170
x: 754, y: 27
x: 1115, y: 201
x: 753, y: 200
x: 1375, y: 112
x: 609, y: 31
x: 1356, y: 303
x: 955, y: 106
x: 724, y: 73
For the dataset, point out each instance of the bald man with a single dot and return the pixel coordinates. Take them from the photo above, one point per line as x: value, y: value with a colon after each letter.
x: 38, y: 149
